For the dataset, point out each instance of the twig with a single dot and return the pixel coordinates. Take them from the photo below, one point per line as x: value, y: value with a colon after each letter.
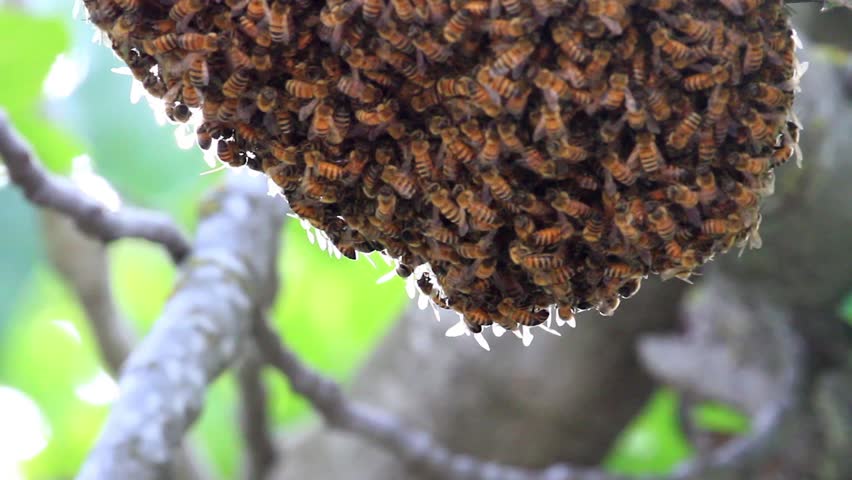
x: 58, y: 193
x: 423, y: 452
x: 259, y: 445
x: 84, y: 265
x: 197, y: 336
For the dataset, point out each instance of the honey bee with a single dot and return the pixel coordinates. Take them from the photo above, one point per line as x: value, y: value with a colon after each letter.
x: 199, y: 74
x: 322, y: 124
x: 511, y: 58
x: 499, y: 187
x: 522, y: 316
x: 621, y: 271
x: 759, y: 131
x: 700, y: 31
x: 305, y: 89
x: 571, y: 43
x: 457, y: 148
x: 593, y: 229
x: 260, y: 59
x: 383, y: 114
x: 457, y: 25
x: 552, y: 235
x: 600, y: 59
x: 647, y: 152
x: 162, y: 44
x: 404, y: 9
x: 661, y: 221
x: 550, y: 82
x: 754, y: 53
x: 255, y: 10
x: 707, y: 188
x: 191, y: 95
x: 355, y: 88
x: 550, y: 123
x: 477, y: 209
x: 610, y: 12
x: 431, y: 48
x: 752, y: 165
x: 659, y: 105
x: 507, y: 131
x: 285, y: 155
x: 266, y: 99
x: 236, y: 84
x: 283, y: 122
x: 677, y: 51
x: 281, y: 25
x: 370, y: 10
x: 473, y: 131
x: 614, y: 97
x: 425, y: 101
x: 702, y: 81
x: 513, y: 28
x: 423, y: 166
x: 197, y: 42
x: 717, y: 104
x: 563, y: 149
x: 227, y: 112
x: 389, y: 32
x: 715, y: 226
x: 684, y: 131
x: 386, y: 205
x: 441, y: 199
x: 503, y: 86
x: 620, y: 171
x: 571, y: 207
x: 491, y: 150
x: 124, y: 26
x: 782, y: 154
x: 227, y: 153
x: 682, y: 195
x: 661, y: 5
x: 404, y: 184
x: 767, y: 94
x: 129, y: 5
x: 742, y: 196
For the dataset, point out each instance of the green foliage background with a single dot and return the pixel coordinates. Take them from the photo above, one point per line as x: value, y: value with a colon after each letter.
x: 331, y: 311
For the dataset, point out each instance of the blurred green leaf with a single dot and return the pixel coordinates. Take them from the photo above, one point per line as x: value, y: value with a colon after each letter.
x: 24, y: 69
x: 653, y: 443
x: 846, y: 309
x: 43, y: 358
x: 143, y: 278
x: 719, y: 418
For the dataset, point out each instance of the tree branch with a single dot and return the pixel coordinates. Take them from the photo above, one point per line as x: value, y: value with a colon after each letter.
x: 58, y: 193
x: 254, y: 419
x: 198, y: 335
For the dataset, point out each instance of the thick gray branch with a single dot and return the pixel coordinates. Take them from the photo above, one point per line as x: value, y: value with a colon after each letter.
x: 58, y: 193
x: 197, y: 336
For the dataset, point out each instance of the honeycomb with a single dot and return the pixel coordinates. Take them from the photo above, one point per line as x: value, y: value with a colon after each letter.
x: 536, y: 155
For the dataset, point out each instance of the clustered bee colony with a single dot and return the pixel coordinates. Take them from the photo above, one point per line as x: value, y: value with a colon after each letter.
x: 535, y: 154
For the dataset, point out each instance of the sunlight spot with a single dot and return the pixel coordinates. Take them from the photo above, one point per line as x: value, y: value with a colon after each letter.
x: 65, y: 75
x: 25, y: 431
x: 100, y: 390
x: 458, y: 329
x: 92, y: 184
x: 68, y: 328
x: 4, y: 176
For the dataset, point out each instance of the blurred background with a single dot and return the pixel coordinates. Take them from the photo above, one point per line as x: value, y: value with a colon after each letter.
x: 65, y: 93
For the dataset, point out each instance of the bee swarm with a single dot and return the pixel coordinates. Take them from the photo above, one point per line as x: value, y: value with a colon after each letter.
x: 534, y: 153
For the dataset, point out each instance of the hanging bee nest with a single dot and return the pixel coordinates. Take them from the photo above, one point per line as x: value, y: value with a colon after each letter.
x: 537, y: 155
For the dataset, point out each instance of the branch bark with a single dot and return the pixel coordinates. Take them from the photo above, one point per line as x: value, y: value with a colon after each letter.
x: 197, y: 336
x: 58, y: 193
